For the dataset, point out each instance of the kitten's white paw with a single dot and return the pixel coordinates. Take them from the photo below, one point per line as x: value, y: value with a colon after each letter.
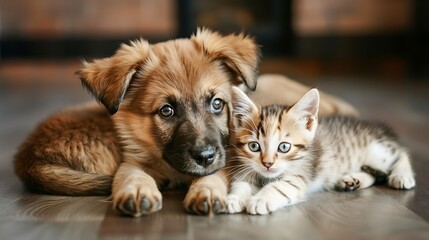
x: 401, y: 181
x: 259, y: 205
x: 234, y: 204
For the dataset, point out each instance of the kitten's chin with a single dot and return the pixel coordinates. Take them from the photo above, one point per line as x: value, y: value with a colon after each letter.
x: 269, y: 173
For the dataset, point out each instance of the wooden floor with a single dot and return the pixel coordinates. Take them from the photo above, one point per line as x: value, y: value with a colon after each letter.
x: 374, y: 213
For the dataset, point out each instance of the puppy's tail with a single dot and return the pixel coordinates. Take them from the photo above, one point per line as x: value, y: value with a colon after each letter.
x: 60, y: 180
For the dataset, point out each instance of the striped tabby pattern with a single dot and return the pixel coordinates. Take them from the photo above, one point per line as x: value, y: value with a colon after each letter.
x: 282, y: 154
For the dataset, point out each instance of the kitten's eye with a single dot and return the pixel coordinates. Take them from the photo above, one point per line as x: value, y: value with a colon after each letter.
x: 284, y: 147
x: 166, y: 111
x: 216, y: 106
x: 254, y: 146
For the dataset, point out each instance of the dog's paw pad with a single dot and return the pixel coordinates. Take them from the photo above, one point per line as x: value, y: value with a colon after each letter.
x: 128, y: 205
x: 135, y: 201
x: 203, y: 200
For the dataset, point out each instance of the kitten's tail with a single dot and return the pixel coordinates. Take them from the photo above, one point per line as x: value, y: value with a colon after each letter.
x: 380, y: 176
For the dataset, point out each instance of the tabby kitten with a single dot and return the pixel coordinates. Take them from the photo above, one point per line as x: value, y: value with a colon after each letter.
x: 281, y: 154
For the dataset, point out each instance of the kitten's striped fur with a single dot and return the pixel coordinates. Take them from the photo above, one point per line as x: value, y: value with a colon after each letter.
x: 281, y: 154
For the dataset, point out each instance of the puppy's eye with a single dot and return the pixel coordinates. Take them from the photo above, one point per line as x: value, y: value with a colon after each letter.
x: 284, y: 147
x: 216, y: 105
x: 166, y: 111
x: 254, y: 146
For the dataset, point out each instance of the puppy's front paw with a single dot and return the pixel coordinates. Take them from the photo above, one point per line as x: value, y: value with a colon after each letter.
x: 204, y: 199
x: 137, y: 199
x: 234, y: 204
x: 402, y: 181
x: 259, y: 205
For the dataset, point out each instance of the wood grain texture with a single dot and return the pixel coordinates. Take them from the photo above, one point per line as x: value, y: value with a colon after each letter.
x: 375, y: 213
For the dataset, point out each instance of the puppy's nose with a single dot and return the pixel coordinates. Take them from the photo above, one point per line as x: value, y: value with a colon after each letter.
x: 203, y: 156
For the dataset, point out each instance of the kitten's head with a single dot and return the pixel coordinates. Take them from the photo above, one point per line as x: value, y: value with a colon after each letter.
x: 274, y: 139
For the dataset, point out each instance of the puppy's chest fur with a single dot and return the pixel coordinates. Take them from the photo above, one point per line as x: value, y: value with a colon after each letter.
x: 138, y: 145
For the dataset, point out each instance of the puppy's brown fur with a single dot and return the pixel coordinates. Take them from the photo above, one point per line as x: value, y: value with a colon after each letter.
x: 137, y: 150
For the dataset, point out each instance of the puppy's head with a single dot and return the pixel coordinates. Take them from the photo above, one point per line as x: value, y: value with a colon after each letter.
x: 172, y: 100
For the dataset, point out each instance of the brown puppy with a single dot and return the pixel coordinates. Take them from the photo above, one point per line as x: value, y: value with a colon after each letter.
x: 170, y: 107
x: 169, y: 125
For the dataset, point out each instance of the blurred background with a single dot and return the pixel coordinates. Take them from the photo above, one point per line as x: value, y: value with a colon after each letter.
x: 371, y: 53
x: 300, y: 38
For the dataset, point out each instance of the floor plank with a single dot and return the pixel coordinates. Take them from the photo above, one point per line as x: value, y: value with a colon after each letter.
x: 375, y: 213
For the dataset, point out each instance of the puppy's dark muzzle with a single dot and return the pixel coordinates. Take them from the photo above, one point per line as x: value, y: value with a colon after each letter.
x: 203, y: 156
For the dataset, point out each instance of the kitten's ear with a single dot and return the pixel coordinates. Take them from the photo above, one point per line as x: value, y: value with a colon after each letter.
x: 307, y: 108
x: 242, y: 105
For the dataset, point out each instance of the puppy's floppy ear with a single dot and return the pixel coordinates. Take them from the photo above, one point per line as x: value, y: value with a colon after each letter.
x: 239, y: 53
x: 108, y: 78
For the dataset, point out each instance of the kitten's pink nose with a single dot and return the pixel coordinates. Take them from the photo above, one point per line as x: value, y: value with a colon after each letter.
x: 267, y: 164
